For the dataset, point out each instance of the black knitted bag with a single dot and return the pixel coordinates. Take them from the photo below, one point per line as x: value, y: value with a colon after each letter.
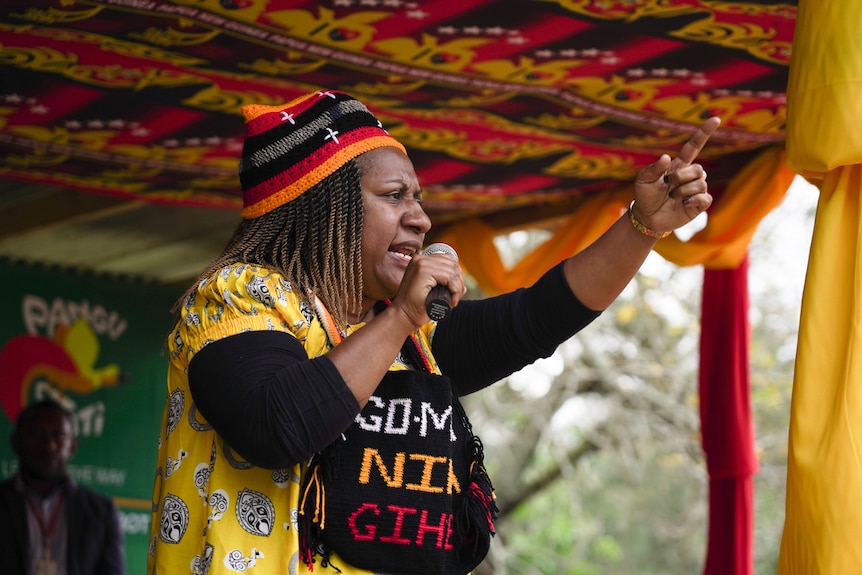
x: 404, y: 491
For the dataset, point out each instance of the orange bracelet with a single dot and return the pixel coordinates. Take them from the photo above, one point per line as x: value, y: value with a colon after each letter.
x: 645, y: 230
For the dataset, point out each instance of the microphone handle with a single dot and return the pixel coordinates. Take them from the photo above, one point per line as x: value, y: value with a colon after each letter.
x: 438, y: 302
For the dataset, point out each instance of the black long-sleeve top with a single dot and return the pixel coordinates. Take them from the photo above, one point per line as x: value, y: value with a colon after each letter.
x: 292, y: 407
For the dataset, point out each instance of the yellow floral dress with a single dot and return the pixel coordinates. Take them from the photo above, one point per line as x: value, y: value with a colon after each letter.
x: 213, y: 512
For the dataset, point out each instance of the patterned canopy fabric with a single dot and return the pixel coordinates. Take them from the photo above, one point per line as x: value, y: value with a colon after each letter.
x: 512, y: 110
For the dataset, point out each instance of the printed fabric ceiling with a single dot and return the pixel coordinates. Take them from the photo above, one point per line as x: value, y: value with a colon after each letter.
x: 513, y: 111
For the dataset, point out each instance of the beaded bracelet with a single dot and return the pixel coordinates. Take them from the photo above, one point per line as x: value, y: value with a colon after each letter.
x: 645, y: 230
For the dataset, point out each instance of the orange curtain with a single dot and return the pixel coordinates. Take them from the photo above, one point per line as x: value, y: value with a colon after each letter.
x: 474, y: 243
x: 723, y: 243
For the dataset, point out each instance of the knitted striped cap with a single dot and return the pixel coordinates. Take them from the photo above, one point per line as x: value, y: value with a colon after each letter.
x: 292, y: 147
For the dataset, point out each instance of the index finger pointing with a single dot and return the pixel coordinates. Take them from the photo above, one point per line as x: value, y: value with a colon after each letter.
x: 689, y: 151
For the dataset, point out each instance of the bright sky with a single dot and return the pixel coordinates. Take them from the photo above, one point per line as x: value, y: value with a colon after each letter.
x: 779, y: 252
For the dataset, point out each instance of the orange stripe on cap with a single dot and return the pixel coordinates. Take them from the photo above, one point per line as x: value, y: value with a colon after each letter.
x: 257, y: 121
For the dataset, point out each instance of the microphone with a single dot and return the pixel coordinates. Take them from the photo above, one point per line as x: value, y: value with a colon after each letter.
x: 438, y: 302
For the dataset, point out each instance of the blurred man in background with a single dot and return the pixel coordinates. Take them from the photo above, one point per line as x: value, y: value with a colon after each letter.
x: 51, y: 525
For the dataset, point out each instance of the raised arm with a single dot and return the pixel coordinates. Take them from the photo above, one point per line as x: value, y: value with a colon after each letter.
x: 667, y: 195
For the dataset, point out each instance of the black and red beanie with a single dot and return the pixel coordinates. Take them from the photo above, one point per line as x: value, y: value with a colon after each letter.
x: 288, y: 149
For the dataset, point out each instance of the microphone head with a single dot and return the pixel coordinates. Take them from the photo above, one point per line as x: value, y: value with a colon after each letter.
x: 440, y: 248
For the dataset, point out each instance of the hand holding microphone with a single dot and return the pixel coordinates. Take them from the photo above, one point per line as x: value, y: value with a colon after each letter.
x: 438, y: 303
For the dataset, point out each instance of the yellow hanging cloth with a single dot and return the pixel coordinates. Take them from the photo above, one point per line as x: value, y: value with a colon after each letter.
x: 823, y: 519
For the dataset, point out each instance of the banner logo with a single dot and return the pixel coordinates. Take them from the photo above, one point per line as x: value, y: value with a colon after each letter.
x: 58, y: 358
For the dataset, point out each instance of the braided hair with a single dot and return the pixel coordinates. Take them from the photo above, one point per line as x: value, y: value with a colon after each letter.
x: 314, y: 241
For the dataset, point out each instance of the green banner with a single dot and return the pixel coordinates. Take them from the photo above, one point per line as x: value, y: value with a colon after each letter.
x: 94, y: 344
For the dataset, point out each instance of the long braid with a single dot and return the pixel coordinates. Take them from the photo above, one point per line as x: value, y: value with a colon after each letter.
x: 348, y: 232
x: 314, y: 241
